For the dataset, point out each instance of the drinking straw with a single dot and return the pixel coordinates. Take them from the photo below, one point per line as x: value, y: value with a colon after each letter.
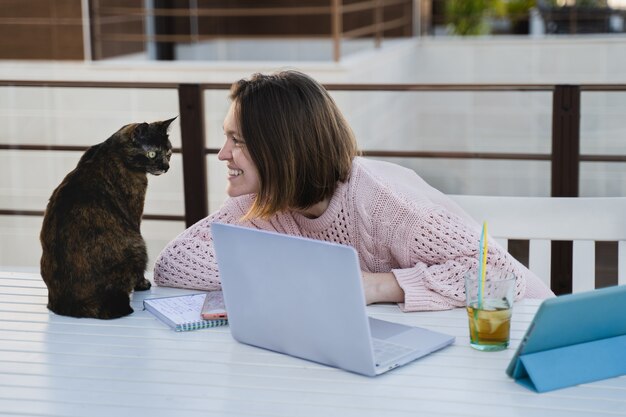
x: 482, y: 278
x: 482, y: 268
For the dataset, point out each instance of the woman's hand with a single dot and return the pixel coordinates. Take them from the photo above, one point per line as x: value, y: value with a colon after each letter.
x: 381, y: 288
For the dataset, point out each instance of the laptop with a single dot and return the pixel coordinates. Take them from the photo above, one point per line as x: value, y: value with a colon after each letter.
x: 304, y: 298
x: 580, y: 320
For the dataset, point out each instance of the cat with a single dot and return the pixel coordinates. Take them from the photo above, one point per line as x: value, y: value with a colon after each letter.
x: 93, y: 253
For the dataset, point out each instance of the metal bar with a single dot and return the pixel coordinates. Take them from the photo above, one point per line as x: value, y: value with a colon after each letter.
x: 561, y: 269
x: 163, y: 217
x: 373, y: 5
x: 220, y: 12
x: 163, y: 25
x: 96, y: 30
x: 245, y: 11
x: 336, y: 27
x: 565, y: 174
x: 445, y: 155
x: 416, y: 87
x: 602, y: 158
x: 86, y: 26
x: 409, y: 29
x: 331, y: 87
x: 397, y: 23
x: 378, y: 21
x: 4, y: 212
x: 115, y: 37
x: 16, y: 147
x: 377, y: 29
x: 112, y: 20
x: 88, y: 84
x: 603, y: 87
x: 191, y: 107
x: 439, y: 87
x: 359, y: 7
x: 148, y: 22
x: 565, y: 140
x: 459, y: 155
x: 27, y: 147
x: 573, y: 20
x: 41, y: 21
x: 362, y: 31
x: 40, y: 213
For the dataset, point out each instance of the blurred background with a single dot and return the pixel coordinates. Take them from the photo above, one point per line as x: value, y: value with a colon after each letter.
x: 465, y: 91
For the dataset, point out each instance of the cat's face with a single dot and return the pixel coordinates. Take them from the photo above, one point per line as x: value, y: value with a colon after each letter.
x: 149, y: 148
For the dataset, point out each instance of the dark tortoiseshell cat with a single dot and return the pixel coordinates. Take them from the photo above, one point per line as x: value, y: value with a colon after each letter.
x: 93, y: 252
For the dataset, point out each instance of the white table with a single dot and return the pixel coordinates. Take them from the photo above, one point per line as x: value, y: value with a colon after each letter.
x: 136, y: 366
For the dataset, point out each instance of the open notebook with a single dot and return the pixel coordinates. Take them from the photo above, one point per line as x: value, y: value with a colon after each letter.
x: 181, y: 312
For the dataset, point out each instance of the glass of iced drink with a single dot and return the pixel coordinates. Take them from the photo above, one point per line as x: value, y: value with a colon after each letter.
x: 489, y: 308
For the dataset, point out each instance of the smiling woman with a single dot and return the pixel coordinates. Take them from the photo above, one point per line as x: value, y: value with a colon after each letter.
x: 296, y: 138
x: 243, y: 177
x: 293, y: 168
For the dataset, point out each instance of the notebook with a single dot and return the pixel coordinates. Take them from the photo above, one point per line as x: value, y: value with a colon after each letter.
x: 304, y: 298
x: 181, y: 312
x: 573, y: 339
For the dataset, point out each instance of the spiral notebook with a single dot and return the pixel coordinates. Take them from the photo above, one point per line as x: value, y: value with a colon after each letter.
x: 181, y: 312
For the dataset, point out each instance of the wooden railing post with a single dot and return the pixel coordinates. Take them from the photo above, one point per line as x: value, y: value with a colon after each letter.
x: 336, y: 27
x: 565, y: 140
x: 95, y: 30
x: 164, y: 25
x: 191, y: 106
x: 565, y: 173
x: 378, y: 23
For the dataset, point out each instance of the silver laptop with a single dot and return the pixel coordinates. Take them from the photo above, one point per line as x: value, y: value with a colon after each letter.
x: 304, y: 298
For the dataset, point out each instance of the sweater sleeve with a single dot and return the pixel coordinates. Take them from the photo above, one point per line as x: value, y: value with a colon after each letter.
x: 189, y: 261
x: 441, y: 248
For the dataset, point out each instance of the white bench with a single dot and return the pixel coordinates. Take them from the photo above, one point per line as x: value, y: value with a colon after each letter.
x: 582, y: 220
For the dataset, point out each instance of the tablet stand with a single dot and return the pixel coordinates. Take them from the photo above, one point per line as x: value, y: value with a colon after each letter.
x: 571, y: 365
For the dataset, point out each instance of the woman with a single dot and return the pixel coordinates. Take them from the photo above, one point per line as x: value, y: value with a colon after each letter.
x: 293, y: 168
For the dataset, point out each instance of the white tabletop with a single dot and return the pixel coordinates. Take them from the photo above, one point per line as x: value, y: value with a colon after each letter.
x: 136, y: 366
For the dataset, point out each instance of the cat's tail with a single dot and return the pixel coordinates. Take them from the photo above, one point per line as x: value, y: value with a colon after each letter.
x: 110, y: 304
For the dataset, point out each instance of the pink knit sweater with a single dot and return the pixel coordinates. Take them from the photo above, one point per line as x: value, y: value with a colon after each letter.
x: 394, y: 220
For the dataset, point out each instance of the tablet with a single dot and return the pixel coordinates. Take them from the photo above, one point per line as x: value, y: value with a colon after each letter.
x: 574, y: 319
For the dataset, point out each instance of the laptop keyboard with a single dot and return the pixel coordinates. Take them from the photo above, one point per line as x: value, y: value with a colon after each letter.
x: 385, y: 352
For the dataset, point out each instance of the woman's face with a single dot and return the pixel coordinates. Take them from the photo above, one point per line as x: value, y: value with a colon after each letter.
x: 243, y: 177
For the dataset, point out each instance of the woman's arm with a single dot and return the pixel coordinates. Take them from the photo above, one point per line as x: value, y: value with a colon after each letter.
x: 442, y: 248
x: 189, y: 261
x: 382, y: 288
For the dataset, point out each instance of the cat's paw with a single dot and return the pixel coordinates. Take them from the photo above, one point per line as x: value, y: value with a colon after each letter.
x: 115, y: 312
x: 143, y: 285
x: 114, y: 303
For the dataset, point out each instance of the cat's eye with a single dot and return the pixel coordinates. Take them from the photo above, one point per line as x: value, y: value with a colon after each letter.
x: 151, y: 154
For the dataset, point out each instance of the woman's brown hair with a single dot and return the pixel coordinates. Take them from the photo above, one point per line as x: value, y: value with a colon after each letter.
x: 296, y: 136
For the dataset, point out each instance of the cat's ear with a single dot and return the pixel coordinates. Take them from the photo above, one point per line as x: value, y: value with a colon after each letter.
x: 164, y: 125
x: 140, y: 131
